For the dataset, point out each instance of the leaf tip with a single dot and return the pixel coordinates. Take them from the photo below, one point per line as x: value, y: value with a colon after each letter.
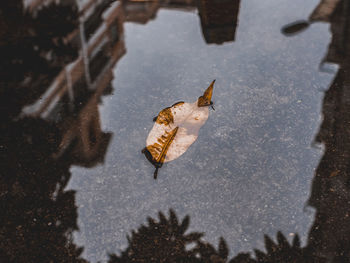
x: 205, y: 100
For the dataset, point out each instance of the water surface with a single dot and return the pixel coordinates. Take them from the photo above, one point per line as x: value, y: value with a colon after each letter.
x: 249, y: 172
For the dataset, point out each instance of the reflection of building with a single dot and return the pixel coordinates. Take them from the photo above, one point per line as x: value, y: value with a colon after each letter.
x: 181, y: 5
x: 340, y: 27
x: 84, y: 128
x: 219, y: 19
x: 140, y: 11
x: 72, y: 99
x: 324, y: 10
x: 330, y: 235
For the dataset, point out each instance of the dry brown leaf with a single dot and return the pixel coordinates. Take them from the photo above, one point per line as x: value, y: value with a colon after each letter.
x: 176, y: 128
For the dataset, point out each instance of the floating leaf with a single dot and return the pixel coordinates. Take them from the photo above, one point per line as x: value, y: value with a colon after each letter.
x: 176, y: 128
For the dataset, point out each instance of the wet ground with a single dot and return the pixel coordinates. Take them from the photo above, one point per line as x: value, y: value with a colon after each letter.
x: 256, y: 161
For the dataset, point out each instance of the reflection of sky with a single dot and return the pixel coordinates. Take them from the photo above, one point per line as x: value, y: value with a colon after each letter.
x: 250, y: 170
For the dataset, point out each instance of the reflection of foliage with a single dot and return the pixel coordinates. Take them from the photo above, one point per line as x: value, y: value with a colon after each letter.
x: 166, y: 241
x: 32, y: 50
x: 209, y: 254
x: 281, y: 251
x: 278, y: 252
x: 242, y: 258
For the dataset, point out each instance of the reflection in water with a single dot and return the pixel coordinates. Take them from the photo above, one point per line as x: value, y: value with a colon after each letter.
x: 38, y: 216
x: 31, y: 55
x: 330, y: 234
x: 329, y: 237
x: 295, y: 27
x: 219, y: 20
x: 176, y: 128
x: 51, y: 119
x: 52, y: 82
x: 325, y: 9
x: 167, y: 241
x: 72, y: 99
x: 323, y: 12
